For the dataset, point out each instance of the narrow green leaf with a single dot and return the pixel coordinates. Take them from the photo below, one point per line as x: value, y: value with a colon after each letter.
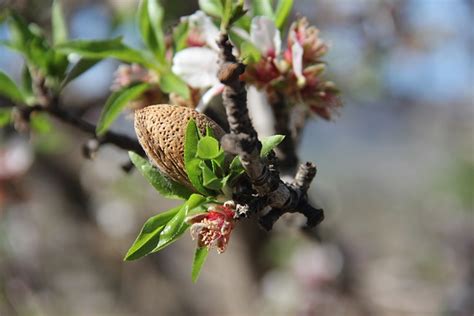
x: 150, y: 20
x: 177, y: 225
x: 226, y: 14
x: 283, y: 10
x: 19, y: 31
x: 9, y: 89
x: 249, y: 53
x: 199, y: 258
x: 26, y: 82
x: 169, y: 82
x: 212, y: 7
x: 146, y: 32
x: 5, y: 117
x: 110, y: 48
x: 208, y: 148
x: 29, y: 40
x: 180, y: 35
x: 244, y: 22
x: 191, y: 162
x: 236, y: 164
x: 191, y: 141
x: 156, y: 13
x: 210, y: 132
x: 115, y: 104
x: 262, y: 7
x: 160, y: 182
x: 270, y: 142
x: 78, y: 69
x: 237, y: 13
x: 149, y: 236
x: 210, y: 180
x: 59, y: 27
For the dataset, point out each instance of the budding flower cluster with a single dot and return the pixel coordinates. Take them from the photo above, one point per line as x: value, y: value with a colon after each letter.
x: 297, y: 72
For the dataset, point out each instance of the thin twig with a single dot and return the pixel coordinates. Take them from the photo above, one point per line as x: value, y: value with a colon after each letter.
x: 54, y: 109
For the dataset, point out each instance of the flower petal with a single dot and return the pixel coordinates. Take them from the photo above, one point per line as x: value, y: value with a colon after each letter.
x: 197, y: 66
x: 209, y: 95
x: 297, y: 61
x: 265, y: 36
x: 204, y: 23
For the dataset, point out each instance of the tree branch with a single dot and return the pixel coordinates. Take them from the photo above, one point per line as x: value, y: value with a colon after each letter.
x: 54, y: 109
x: 280, y: 197
x: 286, y: 151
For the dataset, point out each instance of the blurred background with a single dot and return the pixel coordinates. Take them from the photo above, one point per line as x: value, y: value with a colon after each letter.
x: 395, y: 177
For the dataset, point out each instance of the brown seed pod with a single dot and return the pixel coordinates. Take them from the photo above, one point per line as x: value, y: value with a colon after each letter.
x: 161, y: 131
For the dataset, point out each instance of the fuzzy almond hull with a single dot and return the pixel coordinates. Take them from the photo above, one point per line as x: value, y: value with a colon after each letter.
x: 161, y: 132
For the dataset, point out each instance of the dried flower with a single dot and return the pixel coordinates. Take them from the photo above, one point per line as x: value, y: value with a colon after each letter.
x: 213, y: 228
x: 308, y: 37
x: 128, y: 74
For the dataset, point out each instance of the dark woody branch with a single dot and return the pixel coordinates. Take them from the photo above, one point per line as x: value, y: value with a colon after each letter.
x: 279, y: 196
x: 54, y: 109
x: 286, y: 151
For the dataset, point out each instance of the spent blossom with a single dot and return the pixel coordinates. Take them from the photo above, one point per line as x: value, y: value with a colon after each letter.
x: 213, y: 228
x: 126, y: 75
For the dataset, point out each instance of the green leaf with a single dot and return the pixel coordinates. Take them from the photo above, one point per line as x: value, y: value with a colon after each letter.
x: 156, y: 13
x: 146, y: 31
x: 110, y: 48
x: 59, y: 27
x: 191, y: 141
x: 20, y: 33
x: 236, y: 164
x: 29, y: 40
x: 78, y: 69
x: 199, y: 258
x: 180, y: 35
x: 9, y: 89
x: 208, y: 148
x: 177, y: 225
x: 149, y: 236
x: 212, y: 7
x: 262, y: 7
x: 169, y: 82
x: 150, y: 17
x: 237, y: 13
x: 210, y: 180
x: 249, y: 53
x: 27, y: 86
x: 282, y: 11
x: 270, y: 142
x: 5, y: 117
x: 226, y: 14
x: 160, y: 182
x: 115, y: 104
x: 244, y: 22
x: 191, y: 163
